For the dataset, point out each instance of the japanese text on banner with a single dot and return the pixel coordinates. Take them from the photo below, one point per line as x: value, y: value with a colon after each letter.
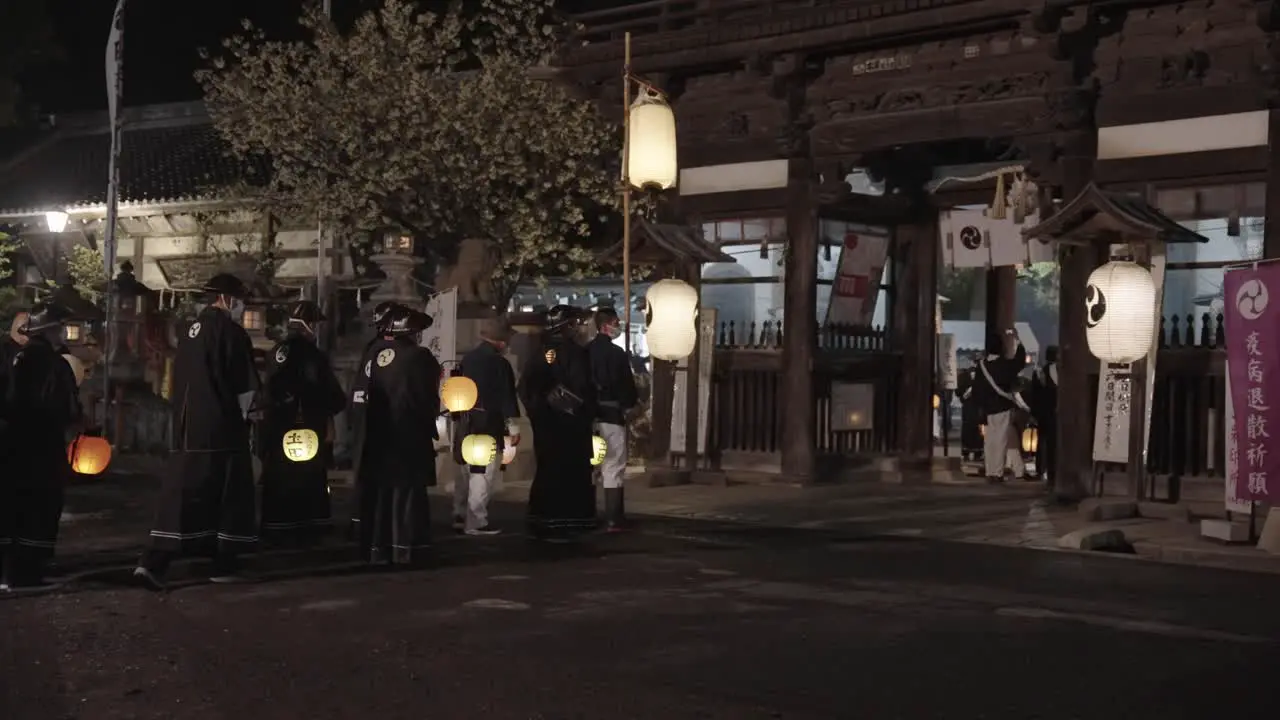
x: 1252, y: 353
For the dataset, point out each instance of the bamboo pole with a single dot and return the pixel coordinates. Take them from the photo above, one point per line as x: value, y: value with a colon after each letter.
x: 626, y: 194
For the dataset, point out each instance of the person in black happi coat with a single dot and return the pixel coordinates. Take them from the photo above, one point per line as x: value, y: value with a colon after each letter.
x: 1044, y: 409
x: 207, y: 505
x: 356, y: 410
x: 42, y: 406
x: 301, y: 393
x: 399, y: 389
x: 557, y: 391
x: 496, y: 406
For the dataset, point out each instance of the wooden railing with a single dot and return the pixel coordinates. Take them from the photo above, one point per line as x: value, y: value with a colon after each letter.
x: 768, y: 336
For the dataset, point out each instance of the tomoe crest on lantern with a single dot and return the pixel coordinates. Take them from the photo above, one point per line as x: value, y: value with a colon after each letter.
x: 1120, y: 303
x: 671, y: 319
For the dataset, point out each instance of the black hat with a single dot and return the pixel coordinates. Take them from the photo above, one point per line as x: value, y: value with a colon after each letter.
x: 402, y: 320
x: 380, y: 312
x: 563, y: 315
x: 43, y: 316
x: 227, y: 284
x: 306, y: 311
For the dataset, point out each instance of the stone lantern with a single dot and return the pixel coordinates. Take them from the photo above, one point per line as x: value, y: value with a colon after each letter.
x: 132, y: 303
x: 396, y: 259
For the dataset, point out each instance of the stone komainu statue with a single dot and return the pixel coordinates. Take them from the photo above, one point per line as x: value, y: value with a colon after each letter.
x: 473, y: 272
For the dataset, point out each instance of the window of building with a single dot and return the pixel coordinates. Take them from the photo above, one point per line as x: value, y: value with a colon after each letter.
x: 746, y: 293
x: 1232, y: 218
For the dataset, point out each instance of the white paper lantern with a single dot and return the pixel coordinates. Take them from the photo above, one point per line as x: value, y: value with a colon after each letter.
x: 671, y: 319
x: 1120, y: 312
x: 651, y: 157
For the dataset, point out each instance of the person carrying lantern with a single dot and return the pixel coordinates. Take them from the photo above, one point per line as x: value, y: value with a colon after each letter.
x: 42, y: 407
x: 207, y: 505
x: 355, y: 412
x: 399, y: 391
x: 300, y: 397
x: 496, y: 405
x: 616, y: 395
x: 994, y: 392
x: 559, y: 395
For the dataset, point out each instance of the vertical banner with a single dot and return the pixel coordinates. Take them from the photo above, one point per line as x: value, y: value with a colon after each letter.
x: 1112, y: 417
x: 1253, y: 369
x: 858, y: 277
x: 679, y: 403
x: 442, y: 337
x: 1235, y: 501
x: 947, y: 372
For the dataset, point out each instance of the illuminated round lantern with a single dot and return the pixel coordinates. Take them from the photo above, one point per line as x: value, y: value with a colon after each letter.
x: 937, y: 402
x: 671, y: 315
x: 1030, y: 440
x: 301, y: 445
x: 508, y: 452
x: 459, y: 394
x: 77, y: 367
x: 89, y: 455
x: 1120, y: 312
x: 598, y: 449
x: 651, y: 155
x: 478, y: 450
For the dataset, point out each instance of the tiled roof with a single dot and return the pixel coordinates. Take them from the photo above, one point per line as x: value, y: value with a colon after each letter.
x: 658, y: 243
x: 1096, y: 210
x: 159, y: 162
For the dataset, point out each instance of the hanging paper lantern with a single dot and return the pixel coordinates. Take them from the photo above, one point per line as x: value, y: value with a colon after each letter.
x: 937, y: 402
x: 508, y: 452
x: 301, y: 445
x: 89, y: 455
x: 671, y: 316
x: 1030, y: 440
x: 459, y: 394
x: 598, y: 449
x: 651, y: 156
x: 478, y: 450
x: 1120, y: 312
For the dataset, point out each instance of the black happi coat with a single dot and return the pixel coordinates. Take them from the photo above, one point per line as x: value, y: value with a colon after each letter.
x: 41, y: 404
x: 399, y: 391
x: 615, y: 383
x: 301, y: 392
x: 207, y: 501
x: 496, y: 403
x: 562, y: 497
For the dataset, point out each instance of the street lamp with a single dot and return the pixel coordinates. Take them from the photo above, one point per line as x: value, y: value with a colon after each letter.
x: 56, y: 221
x: 648, y: 159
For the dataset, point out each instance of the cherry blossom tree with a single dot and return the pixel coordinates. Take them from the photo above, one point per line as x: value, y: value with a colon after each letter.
x: 427, y: 122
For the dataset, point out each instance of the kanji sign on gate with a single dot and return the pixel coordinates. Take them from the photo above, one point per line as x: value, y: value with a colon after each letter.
x: 1253, y: 367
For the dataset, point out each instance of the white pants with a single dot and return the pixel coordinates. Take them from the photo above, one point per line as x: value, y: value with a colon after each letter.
x: 614, y: 466
x: 471, y: 494
x: 1001, y: 446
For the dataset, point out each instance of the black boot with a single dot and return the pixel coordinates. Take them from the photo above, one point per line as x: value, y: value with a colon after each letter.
x: 613, y: 511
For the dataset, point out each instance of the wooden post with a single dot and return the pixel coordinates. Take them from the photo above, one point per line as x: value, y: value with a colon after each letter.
x: 693, y: 276
x: 913, y: 336
x: 1137, y: 469
x: 1002, y: 298
x: 799, y: 407
x: 1073, y: 475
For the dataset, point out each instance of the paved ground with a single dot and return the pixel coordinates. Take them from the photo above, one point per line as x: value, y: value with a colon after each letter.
x: 687, y: 619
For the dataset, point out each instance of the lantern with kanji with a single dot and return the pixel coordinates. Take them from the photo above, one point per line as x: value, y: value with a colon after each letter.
x: 301, y: 444
x: 89, y: 455
x: 599, y: 447
x: 671, y: 316
x: 478, y: 451
x: 1120, y: 312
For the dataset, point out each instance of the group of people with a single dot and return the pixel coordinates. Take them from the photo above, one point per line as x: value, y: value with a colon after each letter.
x: 225, y: 412
x: 1006, y: 409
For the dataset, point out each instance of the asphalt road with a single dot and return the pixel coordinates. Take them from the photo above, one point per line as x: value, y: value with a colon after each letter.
x: 685, y: 620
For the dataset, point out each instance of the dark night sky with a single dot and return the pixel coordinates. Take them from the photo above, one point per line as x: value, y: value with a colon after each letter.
x: 162, y: 40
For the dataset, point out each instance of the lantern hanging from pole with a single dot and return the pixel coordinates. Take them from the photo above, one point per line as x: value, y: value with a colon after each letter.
x: 671, y: 319
x: 478, y: 450
x: 1030, y: 440
x: 301, y: 445
x: 1120, y: 312
x: 89, y: 455
x: 459, y: 394
x: 651, y: 155
x: 598, y: 449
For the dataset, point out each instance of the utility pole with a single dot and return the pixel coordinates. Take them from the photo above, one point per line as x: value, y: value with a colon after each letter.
x: 322, y: 248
